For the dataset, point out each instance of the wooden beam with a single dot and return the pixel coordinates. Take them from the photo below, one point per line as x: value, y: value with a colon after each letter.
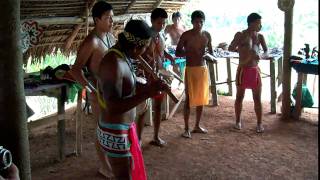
x: 71, y: 38
x: 157, y: 4
x: 51, y: 8
x: 78, y: 20
x: 13, y: 118
x: 129, y: 6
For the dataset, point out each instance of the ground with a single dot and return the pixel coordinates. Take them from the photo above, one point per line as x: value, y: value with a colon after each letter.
x: 287, y: 150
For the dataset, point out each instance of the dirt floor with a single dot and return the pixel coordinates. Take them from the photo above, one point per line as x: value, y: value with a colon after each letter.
x: 287, y: 149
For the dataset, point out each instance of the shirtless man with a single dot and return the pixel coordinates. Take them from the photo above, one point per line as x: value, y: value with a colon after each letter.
x: 89, y: 56
x: 117, y: 90
x: 155, y: 55
x: 247, y: 44
x: 176, y: 29
x: 193, y: 45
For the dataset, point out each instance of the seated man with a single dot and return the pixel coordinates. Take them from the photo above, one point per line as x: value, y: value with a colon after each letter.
x: 118, y: 100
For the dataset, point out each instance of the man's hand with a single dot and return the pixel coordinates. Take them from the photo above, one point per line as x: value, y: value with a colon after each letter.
x: 157, y: 86
x: 209, y: 57
x: 12, y: 173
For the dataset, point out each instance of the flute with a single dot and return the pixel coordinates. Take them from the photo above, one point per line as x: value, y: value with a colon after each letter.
x: 149, y: 69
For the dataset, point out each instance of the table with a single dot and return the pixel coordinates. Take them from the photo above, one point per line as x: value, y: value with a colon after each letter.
x: 58, y: 91
x: 276, y: 57
x: 303, y: 67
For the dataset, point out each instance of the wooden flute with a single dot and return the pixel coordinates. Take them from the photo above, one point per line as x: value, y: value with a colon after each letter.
x: 149, y: 69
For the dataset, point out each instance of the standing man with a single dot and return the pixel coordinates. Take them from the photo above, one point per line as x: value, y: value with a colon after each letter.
x: 155, y: 55
x: 247, y: 44
x: 192, y: 45
x: 89, y: 56
x: 118, y: 100
x: 176, y: 29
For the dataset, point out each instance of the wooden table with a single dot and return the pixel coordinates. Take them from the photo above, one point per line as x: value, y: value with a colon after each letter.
x: 58, y: 91
x: 275, y: 59
x: 303, y: 69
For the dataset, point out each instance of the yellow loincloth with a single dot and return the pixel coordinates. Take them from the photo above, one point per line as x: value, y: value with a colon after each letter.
x: 197, y: 79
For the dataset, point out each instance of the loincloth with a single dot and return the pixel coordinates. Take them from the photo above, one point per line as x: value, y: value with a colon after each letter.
x: 197, y: 80
x: 248, y: 77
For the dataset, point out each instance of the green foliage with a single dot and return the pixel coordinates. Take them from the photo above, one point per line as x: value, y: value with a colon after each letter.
x: 49, y: 60
x: 225, y: 18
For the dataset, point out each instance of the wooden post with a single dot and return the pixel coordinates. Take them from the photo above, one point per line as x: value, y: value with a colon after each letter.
x: 175, y: 107
x: 61, y: 123
x: 286, y: 82
x: 217, y: 74
x: 297, y: 108
x: 229, y: 80
x: 305, y: 79
x: 273, y: 93
x: 167, y: 106
x: 149, y: 115
x: 280, y: 74
x: 87, y: 17
x: 213, y: 87
x: 13, y: 119
x: 79, y: 124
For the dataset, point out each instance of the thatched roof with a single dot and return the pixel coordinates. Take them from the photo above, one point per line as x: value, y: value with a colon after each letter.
x: 59, y: 18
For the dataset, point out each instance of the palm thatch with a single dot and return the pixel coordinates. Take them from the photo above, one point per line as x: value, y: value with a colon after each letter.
x: 59, y: 19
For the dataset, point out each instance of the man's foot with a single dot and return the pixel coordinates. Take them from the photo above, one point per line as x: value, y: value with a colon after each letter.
x: 199, y: 130
x: 186, y: 134
x: 238, y: 125
x: 158, y: 142
x: 103, y: 172
x: 260, y: 128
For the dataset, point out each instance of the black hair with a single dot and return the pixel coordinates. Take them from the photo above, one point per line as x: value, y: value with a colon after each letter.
x: 197, y: 14
x: 253, y: 17
x: 176, y: 15
x: 137, y: 28
x: 99, y: 8
x: 158, y: 13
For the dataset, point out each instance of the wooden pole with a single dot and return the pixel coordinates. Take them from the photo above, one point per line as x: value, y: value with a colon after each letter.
x: 61, y: 124
x: 213, y: 88
x: 157, y: 4
x: 13, y: 121
x: 286, y: 81
x: 273, y: 91
x: 229, y: 80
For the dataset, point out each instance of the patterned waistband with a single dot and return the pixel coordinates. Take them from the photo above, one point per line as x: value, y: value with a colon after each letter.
x: 114, y: 139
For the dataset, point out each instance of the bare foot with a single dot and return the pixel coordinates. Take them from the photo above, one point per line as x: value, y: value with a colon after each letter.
x: 158, y: 142
x: 199, y: 130
x: 238, y: 125
x: 186, y: 134
x: 260, y: 128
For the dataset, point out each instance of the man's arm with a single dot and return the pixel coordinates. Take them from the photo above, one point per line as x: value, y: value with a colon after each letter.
x: 209, y: 55
x: 209, y: 45
x: 263, y: 43
x: 180, y: 51
x: 235, y: 42
x: 84, y: 53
